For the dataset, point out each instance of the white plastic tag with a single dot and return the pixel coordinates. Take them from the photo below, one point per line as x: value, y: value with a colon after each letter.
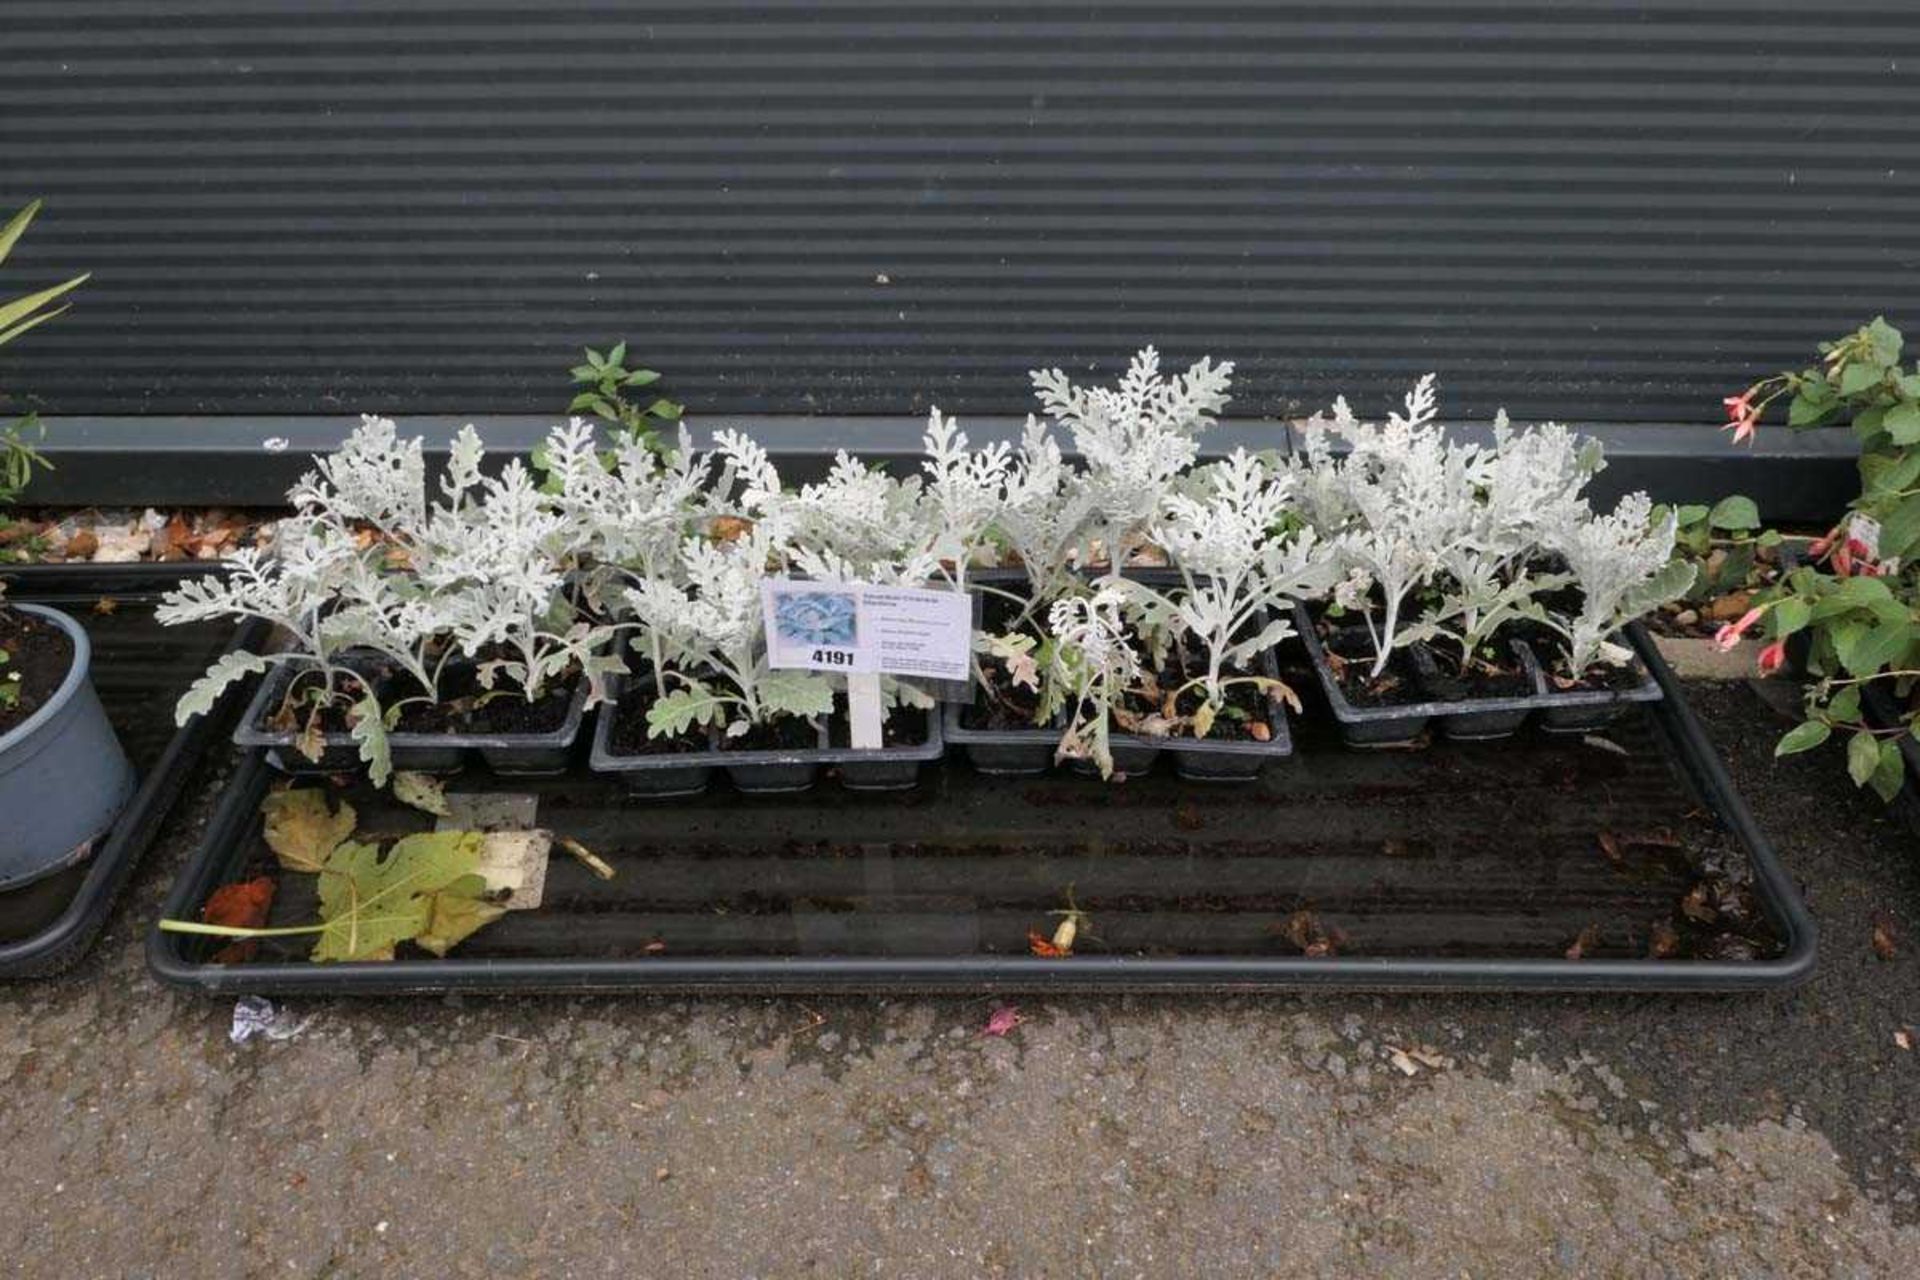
x: 859, y: 628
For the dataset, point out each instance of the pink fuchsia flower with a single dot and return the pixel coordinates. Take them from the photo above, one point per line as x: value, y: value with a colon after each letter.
x: 1728, y: 636
x: 1773, y: 657
x: 1002, y: 1020
x: 1742, y: 416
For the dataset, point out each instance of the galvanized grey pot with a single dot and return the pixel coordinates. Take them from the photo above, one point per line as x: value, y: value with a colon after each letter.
x: 63, y: 777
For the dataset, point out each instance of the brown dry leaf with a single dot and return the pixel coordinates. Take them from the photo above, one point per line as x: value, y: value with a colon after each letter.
x: 302, y: 831
x: 1430, y: 1059
x: 1187, y: 816
x: 729, y: 528
x: 174, y: 540
x: 1259, y: 731
x: 1315, y: 939
x: 1589, y: 939
x: 106, y: 606
x: 1610, y: 848
x: 1402, y: 1061
x: 1728, y: 607
x: 1698, y: 904
x: 240, y: 906
x: 1885, y: 940
x: 82, y: 545
x: 1663, y: 941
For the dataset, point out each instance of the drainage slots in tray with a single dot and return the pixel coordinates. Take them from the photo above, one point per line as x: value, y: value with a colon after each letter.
x: 1501, y: 851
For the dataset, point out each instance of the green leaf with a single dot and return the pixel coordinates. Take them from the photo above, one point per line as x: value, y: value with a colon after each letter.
x: 302, y: 830
x: 1886, y: 341
x: 684, y: 708
x: 1889, y: 472
x: 618, y: 356
x: 13, y: 313
x: 1866, y: 423
x: 1845, y: 705
x: 16, y: 227
x: 1877, y: 648
x: 666, y: 409
x: 1805, y: 410
x: 1736, y: 511
x: 641, y: 378
x: 201, y: 697
x: 370, y: 901
x: 1802, y: 737
x: 1900, y: 528
x: 1891, y: 773
x: 797, y: 693
x: 1856, y: 378
x: 1863, y: 757
x: 1902, y: 422
x: 1789, y: 616
x: 1909, y: 384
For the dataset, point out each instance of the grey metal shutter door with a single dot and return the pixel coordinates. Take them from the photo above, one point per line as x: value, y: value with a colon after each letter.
x: 1600, y: 211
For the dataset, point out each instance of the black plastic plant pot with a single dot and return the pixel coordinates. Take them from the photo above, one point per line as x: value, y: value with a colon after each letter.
x: 1001, y: 753
x: 63, y: 775
x: 138, y: 669
x: 516, y: 754
x: 1585, y: 710
x: 666, y: 774
x: 1463, y: 720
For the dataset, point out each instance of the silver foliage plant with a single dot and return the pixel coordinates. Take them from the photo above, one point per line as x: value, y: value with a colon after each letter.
x: 542, y: 574
x: 371, y: 566
x: 1447, y: 541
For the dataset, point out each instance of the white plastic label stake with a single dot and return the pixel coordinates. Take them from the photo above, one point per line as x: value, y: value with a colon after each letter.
x: 859, y: 628
x: 863, y: 711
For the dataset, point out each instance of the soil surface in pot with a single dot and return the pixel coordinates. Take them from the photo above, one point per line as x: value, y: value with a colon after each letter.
x: 787, y: 733
x: 39, y: 655
x: 1350, y: 657
x: 903, y: 727
x: 1001, y: 704
x: 628, y: 734
x: 1247, y: 704
x: 1487, y: 678
x: 465, y: 707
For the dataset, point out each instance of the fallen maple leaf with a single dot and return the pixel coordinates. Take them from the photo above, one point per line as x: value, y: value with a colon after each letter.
x: 241, y: 906
x: 1002, y: 1020
x: 301, y: 830
x: 106, y: 606
x: 82, y: 545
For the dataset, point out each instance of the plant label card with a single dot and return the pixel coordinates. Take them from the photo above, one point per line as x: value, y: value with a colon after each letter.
x: 862, y: 629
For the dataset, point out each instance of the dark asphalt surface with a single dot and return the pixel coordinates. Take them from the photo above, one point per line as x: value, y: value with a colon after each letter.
x: 1749, y: 1135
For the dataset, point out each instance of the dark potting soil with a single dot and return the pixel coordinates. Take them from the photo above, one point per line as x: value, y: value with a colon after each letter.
x: 1002, y: 706
x: 1505, y: 680
x: 1350, y: 654
x: 903, y: 727
x: 465, y: 707
x: 1600, y: 676
x: 39, y: 655
x: 628, y: 734
x: 1248, y: 703
x: 784, y: 734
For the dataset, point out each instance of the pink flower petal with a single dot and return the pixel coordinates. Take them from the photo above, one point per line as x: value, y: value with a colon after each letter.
x: 1002, y: 1020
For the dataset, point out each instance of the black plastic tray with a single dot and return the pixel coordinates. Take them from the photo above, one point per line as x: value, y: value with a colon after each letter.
x: 936, y: 889
x: 140, y: 669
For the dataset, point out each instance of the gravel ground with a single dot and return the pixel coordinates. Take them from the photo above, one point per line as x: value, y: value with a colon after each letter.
x: 1754, y: 1135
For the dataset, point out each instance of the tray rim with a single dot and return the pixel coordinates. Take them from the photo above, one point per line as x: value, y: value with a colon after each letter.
x: 1013, y: 973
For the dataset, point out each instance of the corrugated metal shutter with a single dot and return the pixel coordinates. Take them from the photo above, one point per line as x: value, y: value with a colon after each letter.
x: 1602, y: 211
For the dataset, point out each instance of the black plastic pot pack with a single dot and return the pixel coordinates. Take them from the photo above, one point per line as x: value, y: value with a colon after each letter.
x: 666, y: 774
x: 1452, y: 867
x: 139, y: 670
x: 1472, y: 719
x: 507, y: 753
